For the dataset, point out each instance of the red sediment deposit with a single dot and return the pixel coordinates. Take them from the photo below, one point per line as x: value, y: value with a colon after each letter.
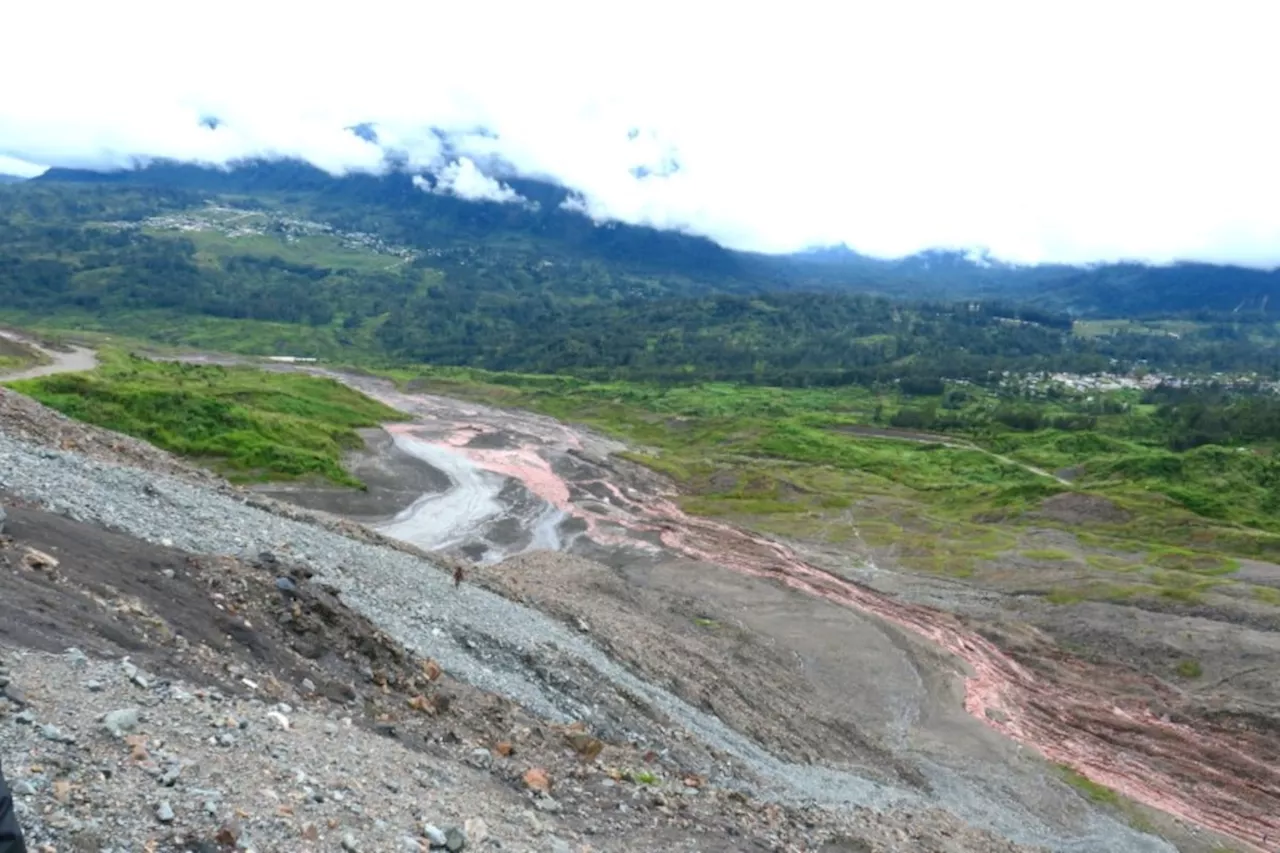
x: 1095, y: 718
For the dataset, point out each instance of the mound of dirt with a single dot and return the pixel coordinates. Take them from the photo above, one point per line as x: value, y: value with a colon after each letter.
x: 1079, y: 508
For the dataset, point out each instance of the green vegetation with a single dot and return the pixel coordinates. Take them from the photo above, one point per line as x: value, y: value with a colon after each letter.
x: 1189, y: 669
x: 1103, y: 796
x: 1049, y: 555
x: 291, y: 262
x: 643, y: 777
x: 248, y: 423
x: 1094, y: 792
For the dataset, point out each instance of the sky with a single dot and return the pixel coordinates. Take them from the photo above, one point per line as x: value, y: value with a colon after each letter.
x: 1033, y: 132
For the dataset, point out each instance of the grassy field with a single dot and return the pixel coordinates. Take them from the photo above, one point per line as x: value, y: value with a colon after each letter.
x: 245, y: 423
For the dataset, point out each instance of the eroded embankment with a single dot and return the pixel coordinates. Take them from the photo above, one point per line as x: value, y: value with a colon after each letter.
x: 1094, y: 718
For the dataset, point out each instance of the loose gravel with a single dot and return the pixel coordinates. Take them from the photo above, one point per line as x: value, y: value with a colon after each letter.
x: 488, y: 641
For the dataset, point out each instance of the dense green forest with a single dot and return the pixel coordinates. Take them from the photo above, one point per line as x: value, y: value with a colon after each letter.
x: 503, y: 287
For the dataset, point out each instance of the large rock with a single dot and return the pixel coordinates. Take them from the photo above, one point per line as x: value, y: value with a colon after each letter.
x: 2, y: 519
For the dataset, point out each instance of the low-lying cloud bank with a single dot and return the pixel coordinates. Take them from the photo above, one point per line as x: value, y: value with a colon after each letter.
x: 1086, y: 132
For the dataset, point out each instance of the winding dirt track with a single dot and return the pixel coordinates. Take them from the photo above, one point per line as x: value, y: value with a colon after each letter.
x: 73, y: 360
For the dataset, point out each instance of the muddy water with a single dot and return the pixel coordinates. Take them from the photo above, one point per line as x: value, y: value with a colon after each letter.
x: 482, y: 511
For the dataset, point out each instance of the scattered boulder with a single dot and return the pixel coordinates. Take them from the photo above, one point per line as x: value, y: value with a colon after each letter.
x: 38, y: 560
x: 537, y: 779
x: 122, y: 722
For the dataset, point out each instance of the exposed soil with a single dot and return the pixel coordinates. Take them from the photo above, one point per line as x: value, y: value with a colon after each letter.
x: 215, y: 639
x: 1076, y: 508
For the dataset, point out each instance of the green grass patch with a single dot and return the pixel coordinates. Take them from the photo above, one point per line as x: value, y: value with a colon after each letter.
x: 1189, y: 669
x: 1267, y: 595
x: 1049, y: 555
x: 250, y: 424
x: 1091, y: 790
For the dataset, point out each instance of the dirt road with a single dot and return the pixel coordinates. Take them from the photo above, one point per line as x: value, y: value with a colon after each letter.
x: 72, y: 360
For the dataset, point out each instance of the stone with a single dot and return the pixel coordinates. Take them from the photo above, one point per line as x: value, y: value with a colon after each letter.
x: 536, y: 779
x: 228, y: 834
x: 477, y: 831
x: 547, y: 804
x: 349, y: 843
x: 25, y: 718
x: 51, y: 732
x: 480, y: 758
x: 3, y: 517
x: 164, y: 812
x: 434, y: 834
x: 455, y: 839
x: 122, y: 721
x: 77, y: 658
x: 39, y: 561
x: 584, y: 744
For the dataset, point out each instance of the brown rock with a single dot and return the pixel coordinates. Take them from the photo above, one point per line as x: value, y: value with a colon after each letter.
x: 228, y: 834
x: 39, y: 560
x: 584, y: 744
x: 536, y: 779
x: 504, y: 748
x: 431, y: 669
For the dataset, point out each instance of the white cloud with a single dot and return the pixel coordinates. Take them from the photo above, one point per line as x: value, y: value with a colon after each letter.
x: 21, y: 168
x: 462, y: 178
x: 1074, y: 132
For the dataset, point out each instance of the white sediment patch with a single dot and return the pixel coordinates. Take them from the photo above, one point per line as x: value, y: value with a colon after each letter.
x: 458, y: 514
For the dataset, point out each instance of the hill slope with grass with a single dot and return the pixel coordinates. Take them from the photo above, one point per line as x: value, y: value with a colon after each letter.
x: 245, y: 423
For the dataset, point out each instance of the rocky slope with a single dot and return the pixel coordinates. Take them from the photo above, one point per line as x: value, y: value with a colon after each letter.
x: 296, y: 683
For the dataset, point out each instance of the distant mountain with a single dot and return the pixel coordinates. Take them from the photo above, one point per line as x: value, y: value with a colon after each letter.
x: 11, y: 179
x: 394, y: 206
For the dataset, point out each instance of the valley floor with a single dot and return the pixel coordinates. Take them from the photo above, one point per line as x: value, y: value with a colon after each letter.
x: 727, y: 663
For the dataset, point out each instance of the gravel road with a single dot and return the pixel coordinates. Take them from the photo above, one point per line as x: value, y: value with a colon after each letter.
x: 74, y: 359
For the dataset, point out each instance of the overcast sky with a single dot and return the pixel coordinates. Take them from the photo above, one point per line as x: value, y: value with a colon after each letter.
x: 1072, y: 131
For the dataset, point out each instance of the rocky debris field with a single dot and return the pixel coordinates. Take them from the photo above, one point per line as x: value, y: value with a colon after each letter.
x: 299, y: 689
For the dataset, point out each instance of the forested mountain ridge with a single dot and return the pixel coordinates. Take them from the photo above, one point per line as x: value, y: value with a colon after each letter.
x: 392, y: 205
x: 282, y: 258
